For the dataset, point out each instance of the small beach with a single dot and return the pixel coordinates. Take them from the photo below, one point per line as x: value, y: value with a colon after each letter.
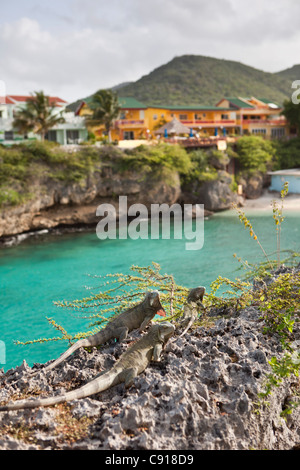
x: 264, y: 203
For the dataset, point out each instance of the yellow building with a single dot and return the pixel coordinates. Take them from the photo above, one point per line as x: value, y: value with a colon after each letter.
x: 231, y: 116
x: 257, y: 116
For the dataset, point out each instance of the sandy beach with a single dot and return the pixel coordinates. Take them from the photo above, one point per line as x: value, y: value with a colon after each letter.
x: 264, y: 203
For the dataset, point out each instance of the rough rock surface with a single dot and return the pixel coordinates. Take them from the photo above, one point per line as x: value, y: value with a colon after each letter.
x: 203, y: 395
x: 216, y: 195
x: 56, y: 203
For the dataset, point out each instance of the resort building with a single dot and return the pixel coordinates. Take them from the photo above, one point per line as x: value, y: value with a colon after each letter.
x: 72, y: 131
x: 257, y: 116
x: 230, y: 117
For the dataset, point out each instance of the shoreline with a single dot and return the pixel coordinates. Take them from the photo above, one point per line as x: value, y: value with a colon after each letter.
x: 262, y: 205
x: 264, y: 202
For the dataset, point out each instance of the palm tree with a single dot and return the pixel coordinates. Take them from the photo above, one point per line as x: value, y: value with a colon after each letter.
x: 37, y: 116
x: 106, y: 108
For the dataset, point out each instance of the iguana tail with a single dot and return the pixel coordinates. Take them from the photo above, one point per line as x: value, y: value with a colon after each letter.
x: 95, y: 340
x: 99, y: 384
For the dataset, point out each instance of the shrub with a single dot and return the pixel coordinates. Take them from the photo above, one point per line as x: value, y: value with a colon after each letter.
x: 255, y: 154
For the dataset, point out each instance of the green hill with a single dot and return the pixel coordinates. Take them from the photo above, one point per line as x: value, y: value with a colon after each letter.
x: 194, y: 80
x: 290, y: 74
x: 191, y: 79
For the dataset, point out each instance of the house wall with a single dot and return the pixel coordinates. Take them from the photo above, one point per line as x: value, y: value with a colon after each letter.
x: 277, y: 182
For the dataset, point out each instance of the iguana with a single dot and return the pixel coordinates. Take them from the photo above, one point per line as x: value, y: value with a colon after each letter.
x: 136, y: 317
x: 133, y: 362
x: 192, y: 307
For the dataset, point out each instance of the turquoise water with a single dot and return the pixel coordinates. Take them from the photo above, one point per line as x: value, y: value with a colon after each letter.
x: 55, y: 267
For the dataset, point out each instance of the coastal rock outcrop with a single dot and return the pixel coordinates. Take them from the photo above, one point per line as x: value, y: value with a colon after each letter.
x: 56, y: 203
x: 216, y: 194
x: 202, y: 396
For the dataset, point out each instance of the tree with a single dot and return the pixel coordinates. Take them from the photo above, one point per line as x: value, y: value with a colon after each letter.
x: 106, y: 108
x: 291, y: 111
x: 38, y: 115
x: 254, y: 154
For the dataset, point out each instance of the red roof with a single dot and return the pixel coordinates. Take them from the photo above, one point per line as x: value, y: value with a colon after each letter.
x: 5, y: 100
x: 22, y: 98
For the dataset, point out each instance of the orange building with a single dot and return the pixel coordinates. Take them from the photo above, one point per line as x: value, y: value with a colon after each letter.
x: 257, y: 116
x: 231, y: 116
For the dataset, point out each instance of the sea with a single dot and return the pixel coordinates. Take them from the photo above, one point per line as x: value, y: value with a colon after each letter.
x: 60, y: 266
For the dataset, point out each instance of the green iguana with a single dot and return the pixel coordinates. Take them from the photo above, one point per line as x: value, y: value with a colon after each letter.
x: 133, y: 362
x: 191, y: 307
x: 136, y: 317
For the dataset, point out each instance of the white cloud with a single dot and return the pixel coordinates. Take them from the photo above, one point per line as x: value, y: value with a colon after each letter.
x: 73, y: 48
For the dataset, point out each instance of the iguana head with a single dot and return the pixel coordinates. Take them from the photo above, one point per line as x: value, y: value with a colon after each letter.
x: 196, y: 294
x: 154, y: 303
x: 165, y: 330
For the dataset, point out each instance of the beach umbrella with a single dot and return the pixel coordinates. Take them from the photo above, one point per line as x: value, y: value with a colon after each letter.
x: 191, y: 132
x: 216, y: 131
x: 173, y: 127
x: 166, y: 133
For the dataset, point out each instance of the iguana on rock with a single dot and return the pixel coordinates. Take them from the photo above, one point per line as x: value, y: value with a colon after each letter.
x: 136, y: 317
x: 133, y: 362
x: 192, y: 307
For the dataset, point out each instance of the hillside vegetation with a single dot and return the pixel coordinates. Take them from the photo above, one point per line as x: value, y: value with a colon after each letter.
x: 194, y: 80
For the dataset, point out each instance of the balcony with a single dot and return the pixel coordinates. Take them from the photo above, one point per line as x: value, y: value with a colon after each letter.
x: 266, y: 122
x: 129, y: 123
x: 210, y: 123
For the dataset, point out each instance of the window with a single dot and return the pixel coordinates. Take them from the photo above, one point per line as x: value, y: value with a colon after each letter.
x: 154, y: 117
x: 142, y: 114
x: 198, y: 117
x: 122, y: 115
x: 224, y: 116
x: 72, y: 137
x: 128, y: 135
x: 259, y: 131
x: 278, y: 132
x: 183, y: 117
x: 51, y: 136
x: 8, y: 135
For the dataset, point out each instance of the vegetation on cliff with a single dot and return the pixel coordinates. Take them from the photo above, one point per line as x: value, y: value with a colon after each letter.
x: 23, y: 166
x: 195, y: 79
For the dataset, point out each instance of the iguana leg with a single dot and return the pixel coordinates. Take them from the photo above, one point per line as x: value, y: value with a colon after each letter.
x: 130, y: 375
x: 120, y: 333
x: 157, y: 352
x: 146, y: 321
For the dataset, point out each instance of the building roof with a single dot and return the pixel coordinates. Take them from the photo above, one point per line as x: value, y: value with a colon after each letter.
x: 238, y: 102
x: 131, y: 103
x: 173, y: 127
x: 6, y: 100
x: 23, y: 98
x: 269, y: 102
x: 197, y: 107
x: 289, y: 172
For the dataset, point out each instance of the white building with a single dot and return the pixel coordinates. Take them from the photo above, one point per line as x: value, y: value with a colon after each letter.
x: 72, y: 131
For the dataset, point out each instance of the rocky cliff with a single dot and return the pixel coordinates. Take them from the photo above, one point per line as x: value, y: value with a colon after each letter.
x: 56, y: 203
x: 202, y: 396
x: 54, y: 187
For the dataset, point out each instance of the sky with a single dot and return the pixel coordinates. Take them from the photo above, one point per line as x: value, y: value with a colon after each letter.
x: 72, y: 48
